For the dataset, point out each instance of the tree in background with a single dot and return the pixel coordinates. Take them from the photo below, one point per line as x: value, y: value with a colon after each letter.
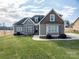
x: 66, y: 23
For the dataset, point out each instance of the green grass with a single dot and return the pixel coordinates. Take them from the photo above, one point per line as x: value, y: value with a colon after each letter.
x: 73, y: 31
x: 22, y: 47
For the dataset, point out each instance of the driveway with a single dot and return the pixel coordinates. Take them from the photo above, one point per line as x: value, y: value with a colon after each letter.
x: 71, y: 36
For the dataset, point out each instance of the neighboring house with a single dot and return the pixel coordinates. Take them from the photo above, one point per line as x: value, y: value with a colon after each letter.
x: 75, y: 25
x: 41, y: 25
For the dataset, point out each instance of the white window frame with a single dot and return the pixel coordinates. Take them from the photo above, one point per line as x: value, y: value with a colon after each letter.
x: 30, y: 29
x: 36, y: 19
x: 48, y: 28
x: 19, y: 29
x: 52, y: 16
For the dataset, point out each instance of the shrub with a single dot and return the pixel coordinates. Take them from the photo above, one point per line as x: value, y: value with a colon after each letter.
x: 35, y: 31
x: 18, y: 33
x: 48, y: 36
x: 63, y: 36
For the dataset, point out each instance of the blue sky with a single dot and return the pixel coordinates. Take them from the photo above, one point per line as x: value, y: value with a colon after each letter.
x: 12, y: 11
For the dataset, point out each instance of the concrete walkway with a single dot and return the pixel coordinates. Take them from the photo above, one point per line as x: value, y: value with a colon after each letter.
x: 71, y: 36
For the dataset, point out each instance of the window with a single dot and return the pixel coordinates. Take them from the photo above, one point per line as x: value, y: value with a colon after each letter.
x: 36, y: 19
x: 19, y: 29
x: 52, y: 17
x: 30, y: 29
x: 52, y: 29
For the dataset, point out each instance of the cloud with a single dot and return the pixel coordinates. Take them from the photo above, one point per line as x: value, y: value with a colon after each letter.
x: 41, y: 10
x: 39, y: 1
x: 29, y: 7
x: 16, y: 3
x: 31, y: 10
x: 67, y: 11
x: 9, y: 10
x: 7, y: 20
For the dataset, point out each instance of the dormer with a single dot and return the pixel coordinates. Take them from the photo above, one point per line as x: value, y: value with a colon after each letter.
x: 36, y: 19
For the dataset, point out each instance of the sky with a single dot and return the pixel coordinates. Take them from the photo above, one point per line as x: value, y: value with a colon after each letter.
x: 12, y: 11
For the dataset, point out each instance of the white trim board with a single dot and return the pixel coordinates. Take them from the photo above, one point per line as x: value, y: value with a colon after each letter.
x: 28, y: 19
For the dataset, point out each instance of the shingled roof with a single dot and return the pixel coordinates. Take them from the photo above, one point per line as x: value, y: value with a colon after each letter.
x: 21, y: 21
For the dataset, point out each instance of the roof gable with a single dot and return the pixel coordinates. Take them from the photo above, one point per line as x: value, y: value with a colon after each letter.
x: 46, y: 19
x: 29, y: 20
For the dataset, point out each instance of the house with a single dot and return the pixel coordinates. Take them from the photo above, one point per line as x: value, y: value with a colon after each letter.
x: 41, y: 25
x: 75, y: 25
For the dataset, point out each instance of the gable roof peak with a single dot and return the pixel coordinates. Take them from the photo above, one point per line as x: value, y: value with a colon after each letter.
x: 52, y: 11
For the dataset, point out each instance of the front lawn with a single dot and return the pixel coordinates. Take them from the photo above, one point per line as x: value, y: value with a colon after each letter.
x: 22, y: 47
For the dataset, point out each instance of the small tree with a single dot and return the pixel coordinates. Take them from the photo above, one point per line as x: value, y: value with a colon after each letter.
x: 66, y: 23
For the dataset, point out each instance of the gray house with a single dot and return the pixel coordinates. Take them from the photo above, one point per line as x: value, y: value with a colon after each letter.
x: 41, y: 25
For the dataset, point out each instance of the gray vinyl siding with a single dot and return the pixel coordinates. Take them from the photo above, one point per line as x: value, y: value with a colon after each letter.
x: 42, y: 29
x: 16, y: 30
x: 28, y: 24
x: 61, y: 28
x: 25, y: 28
